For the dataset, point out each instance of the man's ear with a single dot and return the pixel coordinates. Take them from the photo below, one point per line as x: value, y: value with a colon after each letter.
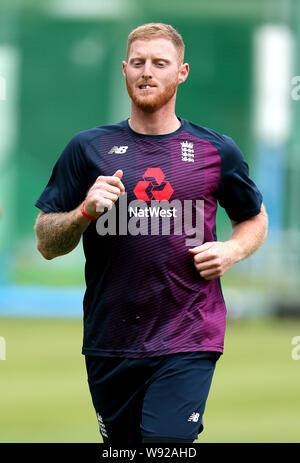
x: 124, y: 65
x: 183, y: 72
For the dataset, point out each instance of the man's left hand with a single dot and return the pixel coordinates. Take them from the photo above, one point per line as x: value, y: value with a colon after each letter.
x: 213, y: 259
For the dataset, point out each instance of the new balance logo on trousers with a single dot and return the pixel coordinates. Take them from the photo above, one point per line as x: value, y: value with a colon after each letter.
x: 101, y: 425
x: 194, y: 417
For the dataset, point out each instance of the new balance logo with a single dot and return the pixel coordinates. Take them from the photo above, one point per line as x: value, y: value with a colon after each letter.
x: 194, y: 417
x: 101, y: 425
x: 187, y: 151
x: 118, y: 150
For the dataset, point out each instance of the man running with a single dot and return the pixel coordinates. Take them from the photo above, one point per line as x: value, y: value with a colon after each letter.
x: 143, y: 194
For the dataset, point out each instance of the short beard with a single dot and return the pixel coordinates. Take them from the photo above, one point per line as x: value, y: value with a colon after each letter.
x: 152, y: 103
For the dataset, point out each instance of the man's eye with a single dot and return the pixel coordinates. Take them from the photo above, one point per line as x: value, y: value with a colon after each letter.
x: 138, y: 63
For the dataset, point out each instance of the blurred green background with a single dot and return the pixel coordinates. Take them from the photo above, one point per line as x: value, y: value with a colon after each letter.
x: 60, y: 73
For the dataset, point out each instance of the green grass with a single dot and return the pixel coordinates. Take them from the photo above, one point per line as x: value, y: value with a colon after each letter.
x: 44, y: 395
x: 255, y: 391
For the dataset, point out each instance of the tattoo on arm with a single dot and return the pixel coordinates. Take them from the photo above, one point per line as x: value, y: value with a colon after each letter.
x: 58, y: 233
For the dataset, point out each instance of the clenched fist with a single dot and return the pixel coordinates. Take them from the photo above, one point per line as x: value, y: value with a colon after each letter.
x: 213, y: 259
x: 104, y: 193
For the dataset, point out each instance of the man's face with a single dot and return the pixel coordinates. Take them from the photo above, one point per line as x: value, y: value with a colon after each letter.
x: 152, y: 73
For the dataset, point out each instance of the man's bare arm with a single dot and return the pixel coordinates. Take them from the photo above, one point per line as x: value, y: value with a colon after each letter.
x: 213, y: 259
x: 58, y: 233
x: 248, y: 236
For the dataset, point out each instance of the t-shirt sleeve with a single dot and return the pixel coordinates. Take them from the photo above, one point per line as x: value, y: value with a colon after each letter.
x: 237, y: 193
x: 67, y: 186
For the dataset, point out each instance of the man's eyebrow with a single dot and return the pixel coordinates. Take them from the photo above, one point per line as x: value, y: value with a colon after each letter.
x: 134, y: 58
x: 142, y: 58
x: 166, y: 60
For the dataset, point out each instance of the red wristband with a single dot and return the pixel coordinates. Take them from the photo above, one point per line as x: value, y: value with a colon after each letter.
x: 90, y: 217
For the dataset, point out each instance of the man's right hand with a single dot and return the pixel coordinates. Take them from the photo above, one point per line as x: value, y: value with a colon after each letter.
x: 104, y: 193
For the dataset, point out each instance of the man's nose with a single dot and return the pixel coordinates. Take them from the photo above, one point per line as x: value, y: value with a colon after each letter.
x: 147, y: 70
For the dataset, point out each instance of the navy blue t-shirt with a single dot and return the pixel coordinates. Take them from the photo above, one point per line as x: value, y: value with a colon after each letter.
x: 144, y: 296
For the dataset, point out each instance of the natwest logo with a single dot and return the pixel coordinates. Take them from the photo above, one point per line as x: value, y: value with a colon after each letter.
x: 154, y: 186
